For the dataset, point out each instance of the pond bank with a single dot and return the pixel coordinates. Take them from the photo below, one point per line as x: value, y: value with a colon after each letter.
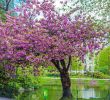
x: 77, y: 78
x: 56, y: 81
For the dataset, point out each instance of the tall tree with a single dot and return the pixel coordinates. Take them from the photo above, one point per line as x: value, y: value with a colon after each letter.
x: 103, y: 60
x: 53, y: 38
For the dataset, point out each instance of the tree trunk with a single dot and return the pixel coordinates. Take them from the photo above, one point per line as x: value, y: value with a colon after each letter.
x: 64, y: 75
x: 66, y: 84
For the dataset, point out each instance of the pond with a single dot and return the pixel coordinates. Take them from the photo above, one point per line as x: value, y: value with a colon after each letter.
x: 80, y: 91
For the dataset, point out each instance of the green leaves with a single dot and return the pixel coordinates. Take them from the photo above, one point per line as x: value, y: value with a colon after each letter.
x: 76, y: 64
x: 2, y: 15
x: 103, y: 61
x: 104, y: 57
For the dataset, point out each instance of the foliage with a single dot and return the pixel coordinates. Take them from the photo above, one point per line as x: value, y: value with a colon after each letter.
x: 26, y: 39
x: 76, y: 64
x: 23, y: 80
x: 99, y: 9
x: 103, y: 57
x: 103, y: 61
x: 52, y: 74
x: 3, y: 77
x: 104, y: 69
x: 51, y: 69
x: 99, y: 75
x: 77, y: 75
x: 56, y: 38
x: 25, y: 77
x: 2, y: 15
x: 14, y: 86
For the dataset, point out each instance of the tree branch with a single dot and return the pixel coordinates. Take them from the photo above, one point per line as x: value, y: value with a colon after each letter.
x: 63, y: 64
x: 7, y: 4
x: 69, y: 62
x: 73, y: 10
x: 56, y: 63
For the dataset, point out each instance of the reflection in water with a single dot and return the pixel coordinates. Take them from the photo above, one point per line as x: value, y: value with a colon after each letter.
x: 55, y: 92
x: 88, y: 93
x: 45, y: 94
x: 108, y: 96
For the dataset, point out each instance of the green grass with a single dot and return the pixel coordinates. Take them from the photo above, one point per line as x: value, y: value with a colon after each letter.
x: 56, y: 81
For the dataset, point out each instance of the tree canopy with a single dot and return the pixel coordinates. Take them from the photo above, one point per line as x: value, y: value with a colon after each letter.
x: 54, y: 37
x: 103, y: 58
x: 103, y: 61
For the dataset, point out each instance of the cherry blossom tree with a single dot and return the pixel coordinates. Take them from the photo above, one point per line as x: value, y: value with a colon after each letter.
x: 55, y: 38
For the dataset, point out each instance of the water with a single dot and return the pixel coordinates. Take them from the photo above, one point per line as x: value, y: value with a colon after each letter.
x: 80, y: 91
x: 2, y: 98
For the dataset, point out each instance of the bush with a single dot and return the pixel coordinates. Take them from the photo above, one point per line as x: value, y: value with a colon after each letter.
x: 27, y: 82
x: 97, y: 75
x: 26, y: 78
x: 103, y: 60
x: 104, y: 70
x: 100, y: 75
x: 77, y: 74
x: 53, y: 74
x: 1, y: 86
x: 23, y: 80
x: 14, y: 85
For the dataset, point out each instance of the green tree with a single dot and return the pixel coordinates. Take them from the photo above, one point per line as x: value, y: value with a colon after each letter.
x: 76, y: 64
x: 2, y: 15
x: 103, y: 61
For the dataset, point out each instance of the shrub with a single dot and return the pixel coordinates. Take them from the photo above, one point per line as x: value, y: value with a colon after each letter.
x: 14, y: 85
x: 23, y: 79
x: 53, y: 74
x: 104, y: 69
x: 97, y: 75
x: 100, y: 75
x: 76, y: 74
x: 1, y: 86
